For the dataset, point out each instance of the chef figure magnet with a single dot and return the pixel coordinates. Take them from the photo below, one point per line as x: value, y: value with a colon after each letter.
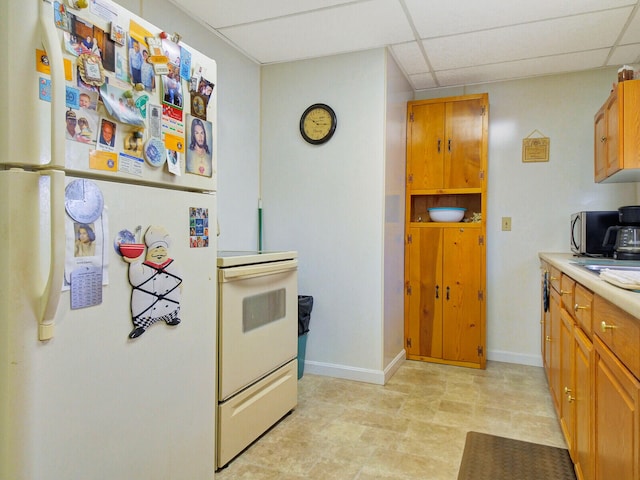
x: 156, y: 282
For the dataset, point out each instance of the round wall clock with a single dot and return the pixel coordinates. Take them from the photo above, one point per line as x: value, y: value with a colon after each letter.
x: 318, y: 123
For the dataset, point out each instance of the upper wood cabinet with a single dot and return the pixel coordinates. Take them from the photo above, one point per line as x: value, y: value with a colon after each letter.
x: 447, y: 140
x: 617, y: 135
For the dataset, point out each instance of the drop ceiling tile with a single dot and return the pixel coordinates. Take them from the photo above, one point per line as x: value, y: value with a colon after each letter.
x: 323, y: 32
x: 433, y: 19
x: 422, y: 81
x: 551, y: 37
x: 624, y: 55
x: 523, y: 68
x: 224, y: 13
x: 632, y: 35
x: 410, y: 57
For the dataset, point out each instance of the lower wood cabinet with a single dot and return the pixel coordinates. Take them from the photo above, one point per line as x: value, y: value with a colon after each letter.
x: 616, y: 420
x: 584, y: 406
x: 591, y: 355
x: 445, y: 296
x: 553, y: 347
x: 616, y: 393
x: 567, y: 392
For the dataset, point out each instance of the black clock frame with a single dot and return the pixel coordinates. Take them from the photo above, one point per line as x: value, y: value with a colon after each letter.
x: 334, y: 123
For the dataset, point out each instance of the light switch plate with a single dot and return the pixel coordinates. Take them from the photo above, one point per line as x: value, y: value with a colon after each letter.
x: 506, y: 224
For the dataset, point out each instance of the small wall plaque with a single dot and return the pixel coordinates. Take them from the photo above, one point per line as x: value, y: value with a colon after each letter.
x: 535, y: 149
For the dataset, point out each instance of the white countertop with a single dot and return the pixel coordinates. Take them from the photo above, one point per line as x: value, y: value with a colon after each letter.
x: 627, y: 300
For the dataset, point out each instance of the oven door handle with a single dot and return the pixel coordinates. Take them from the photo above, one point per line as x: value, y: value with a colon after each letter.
x: 258, y: 270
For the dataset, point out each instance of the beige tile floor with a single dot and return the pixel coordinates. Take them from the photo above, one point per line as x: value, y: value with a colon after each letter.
x: 412, y: 428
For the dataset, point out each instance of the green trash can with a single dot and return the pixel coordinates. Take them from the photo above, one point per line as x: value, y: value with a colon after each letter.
x: 305, y: 304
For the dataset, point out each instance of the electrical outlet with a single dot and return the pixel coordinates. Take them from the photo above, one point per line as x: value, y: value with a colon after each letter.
x: 506, y: 224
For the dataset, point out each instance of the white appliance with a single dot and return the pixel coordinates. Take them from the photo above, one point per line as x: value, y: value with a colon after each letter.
x: 79, y: 398
x: 257, y: 346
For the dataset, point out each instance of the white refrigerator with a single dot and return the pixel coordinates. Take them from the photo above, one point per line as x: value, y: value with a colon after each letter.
x: 107, y: 362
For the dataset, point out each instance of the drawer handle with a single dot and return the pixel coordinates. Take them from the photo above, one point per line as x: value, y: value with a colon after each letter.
x: 563, y: 292
x: 570, y: 399
x: 577, y: 307
x: 553, y: 278
x: 603, y: 139
x: 567, y: 390
x: 548, y: 338
x: 604, y: 327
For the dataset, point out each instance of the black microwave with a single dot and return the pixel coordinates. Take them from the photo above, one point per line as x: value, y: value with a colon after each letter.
x: 588, y: 230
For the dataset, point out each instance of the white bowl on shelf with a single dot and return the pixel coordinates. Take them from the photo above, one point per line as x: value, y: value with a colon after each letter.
x: 446, y: 214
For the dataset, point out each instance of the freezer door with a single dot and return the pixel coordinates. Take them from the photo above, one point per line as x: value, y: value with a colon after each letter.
x: 92, y: 402
x: 45, y: 90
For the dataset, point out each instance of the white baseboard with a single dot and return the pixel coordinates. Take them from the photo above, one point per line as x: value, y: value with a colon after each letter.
x: 513, y: 357
x: 378, y: 377
x: 394, y: 365
x: 381, y: 377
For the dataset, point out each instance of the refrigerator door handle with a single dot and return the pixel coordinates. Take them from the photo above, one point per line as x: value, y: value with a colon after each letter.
x: 53, y: 289
x: 58, y: 93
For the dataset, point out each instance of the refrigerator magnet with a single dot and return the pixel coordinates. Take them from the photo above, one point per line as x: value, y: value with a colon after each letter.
x: 83, y: 200
x: 156, y: 283
x: 90, y: 69
x: 133, y: 142
x: 154, y: 152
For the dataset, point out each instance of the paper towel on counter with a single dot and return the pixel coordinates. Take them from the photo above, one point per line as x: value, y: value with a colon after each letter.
x: 629, y: 279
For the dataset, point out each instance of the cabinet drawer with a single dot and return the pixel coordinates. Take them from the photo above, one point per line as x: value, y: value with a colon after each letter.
x: 619, y: 331
x: 554, y: 278
x: 583, y: 308
x: 567, y: 286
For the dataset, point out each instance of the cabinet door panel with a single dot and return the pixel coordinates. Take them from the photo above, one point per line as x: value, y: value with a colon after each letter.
x: 464, y: 146
x: 462, y: 306
x: 613, y: 160
x: 583, y: 457
x: 425, y: 305
x: 426, y: 147
x: 544, y: 320
x: 617, y: 427
x: 553, y: 343
x: 567, y: 392
x: 629, y: 126
x: 599, y: 145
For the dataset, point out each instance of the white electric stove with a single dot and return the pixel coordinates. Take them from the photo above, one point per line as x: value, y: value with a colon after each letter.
x: 257, y: 346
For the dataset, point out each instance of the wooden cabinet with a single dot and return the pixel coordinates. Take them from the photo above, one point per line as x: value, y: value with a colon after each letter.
x: 445, y: 262
x: 583, y: 457
x: 582, y: 307
x: 617, y: 136
x: 545, y: 325
x: 567, y: 388
x: 445, y: 301
x: 446, y: 149
x: 568, y: 360
x: 575, y: 376
x: 552, y: 340
x: 591, y: 354
x: 553, y: 344
x: 617, y: 392
x: 616, y: 419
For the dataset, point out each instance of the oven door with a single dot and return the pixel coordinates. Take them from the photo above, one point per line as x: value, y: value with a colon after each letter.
x: 257, y: 322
